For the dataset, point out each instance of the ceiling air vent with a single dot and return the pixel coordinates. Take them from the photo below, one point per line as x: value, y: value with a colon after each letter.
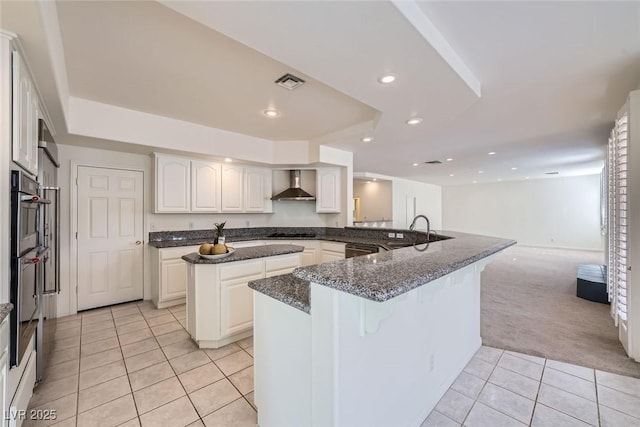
x: 551, y: 173
x: 434, y: 162
x: 289, y: 81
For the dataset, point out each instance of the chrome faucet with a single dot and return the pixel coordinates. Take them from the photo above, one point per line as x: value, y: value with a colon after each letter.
x: 413, y: 224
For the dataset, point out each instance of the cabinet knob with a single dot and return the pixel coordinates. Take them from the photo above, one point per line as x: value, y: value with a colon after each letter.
x: 138, y: 242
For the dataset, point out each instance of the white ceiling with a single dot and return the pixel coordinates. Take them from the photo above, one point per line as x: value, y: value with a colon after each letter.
x: 146, y: 57
x: 553, y: 75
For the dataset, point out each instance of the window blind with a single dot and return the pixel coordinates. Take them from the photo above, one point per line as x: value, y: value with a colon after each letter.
x: 620, y: 231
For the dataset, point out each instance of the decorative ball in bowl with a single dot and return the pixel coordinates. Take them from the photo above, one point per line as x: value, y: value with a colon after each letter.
x: 217, y: 251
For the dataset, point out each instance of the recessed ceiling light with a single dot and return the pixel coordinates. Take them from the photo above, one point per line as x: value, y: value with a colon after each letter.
x: 526, y: 177
x: 228, y: 160
x: 513, y: 169
x: 368, y: 182
x: 374, y: 179
x: 449, y: 159
x: 367, y: 139
x: 414, y: 121
x: 271, y: 113
x: 480, y: 171
x: 475, y: 182
x: 450, y: 174
x: 491, y: 153
x: 416, y: 164
x: 387, y: 78
x: 499, y: 179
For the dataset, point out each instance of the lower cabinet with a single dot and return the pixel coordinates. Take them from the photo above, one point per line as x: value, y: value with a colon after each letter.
x: 220, y: 302
x: 332, y: 251
x: 236, y: 298
x: 169, y: 275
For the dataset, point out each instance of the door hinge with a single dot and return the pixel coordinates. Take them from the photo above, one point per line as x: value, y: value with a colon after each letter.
x: 76, y: 235
x: 76, y: 289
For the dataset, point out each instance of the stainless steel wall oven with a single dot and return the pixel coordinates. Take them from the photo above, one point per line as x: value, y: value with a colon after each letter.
x: 25, y: 257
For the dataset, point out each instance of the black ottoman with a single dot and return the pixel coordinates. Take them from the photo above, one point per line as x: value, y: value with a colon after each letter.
x: 592, y: 283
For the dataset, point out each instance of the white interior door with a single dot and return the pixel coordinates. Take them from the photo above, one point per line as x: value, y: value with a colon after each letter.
x: 110, y: 236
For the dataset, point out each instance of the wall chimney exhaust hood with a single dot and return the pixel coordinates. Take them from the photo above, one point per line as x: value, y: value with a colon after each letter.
x: 294, y: 192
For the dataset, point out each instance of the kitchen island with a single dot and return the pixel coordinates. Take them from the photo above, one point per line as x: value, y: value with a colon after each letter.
x: 219, y: 302
x: 374, y: 340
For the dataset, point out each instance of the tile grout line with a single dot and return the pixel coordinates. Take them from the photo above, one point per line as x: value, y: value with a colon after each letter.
x: 535, y: 402
x: 174, y: 372
x: 483, y: 385
x: 135, y: 405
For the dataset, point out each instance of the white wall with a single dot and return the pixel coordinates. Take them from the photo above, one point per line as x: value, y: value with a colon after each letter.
x: 557, y: 212
x: 284, y: 213
x: 428, y: 199
x: 376, y: 200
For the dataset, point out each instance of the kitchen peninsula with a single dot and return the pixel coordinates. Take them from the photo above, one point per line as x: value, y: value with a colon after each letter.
x: 374, y: 340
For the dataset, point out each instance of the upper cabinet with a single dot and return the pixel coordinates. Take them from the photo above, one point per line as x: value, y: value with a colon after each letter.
x: 197, y: 186
x: 328, y: 190
x: 232, y: 188
x: 25, y: 117
x: 257, y: 189
x: 206, y: 186
x: 173, y: 184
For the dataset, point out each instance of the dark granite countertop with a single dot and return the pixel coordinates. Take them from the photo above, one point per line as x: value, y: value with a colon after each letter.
x: 385, y: 275
x: 366, y: 235
x: 5, y: 309
x: 242, y: 254
x: 287, y: 288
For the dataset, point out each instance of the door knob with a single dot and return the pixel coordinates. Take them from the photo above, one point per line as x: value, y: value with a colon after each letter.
x: 139, y: 242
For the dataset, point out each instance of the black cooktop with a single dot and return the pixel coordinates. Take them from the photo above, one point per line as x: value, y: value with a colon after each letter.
x: 310, y: 235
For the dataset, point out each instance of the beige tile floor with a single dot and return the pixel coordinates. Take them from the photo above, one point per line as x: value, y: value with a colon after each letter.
x: 132, y: 365
x: 502, y: 388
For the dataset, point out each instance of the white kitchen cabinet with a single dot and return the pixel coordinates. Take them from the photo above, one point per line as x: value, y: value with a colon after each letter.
x: 332, y: 251
x: 328, y: 190
x: 236, y: 298
x: 206, y: 187
x: 283, y: 264
x: 257, y: 190
x: 173, y: 184
x: 25, y: 117
x: 169, y: 275
x: 220, y: 302
x: 232, y: 188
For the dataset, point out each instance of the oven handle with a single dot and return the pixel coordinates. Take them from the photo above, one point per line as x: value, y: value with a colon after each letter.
x: 28, y: 198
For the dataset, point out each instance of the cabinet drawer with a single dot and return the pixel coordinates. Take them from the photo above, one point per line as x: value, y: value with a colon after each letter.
x: 333, y: 246
x: 173, y: 253
x: 241, y: 269
x: 246, y: 243
x: 282, y: 262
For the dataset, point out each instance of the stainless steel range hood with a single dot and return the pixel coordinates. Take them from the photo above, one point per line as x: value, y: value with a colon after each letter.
x: 294, y: 192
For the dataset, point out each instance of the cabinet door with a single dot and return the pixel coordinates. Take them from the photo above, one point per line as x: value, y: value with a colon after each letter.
x: 309, y: 256
x: 33, y: 136
x: 257, y: 192
x: 206, y: 186
x: 232, y: 188
x: 328, y: 190
x: 174, y: 279
x: 172, y: 184
x: 236, y: 305
x: 328, y: 256
x: 22, y: 111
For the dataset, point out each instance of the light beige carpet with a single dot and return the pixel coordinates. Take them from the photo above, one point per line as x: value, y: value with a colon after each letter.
x: 529, y: 304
